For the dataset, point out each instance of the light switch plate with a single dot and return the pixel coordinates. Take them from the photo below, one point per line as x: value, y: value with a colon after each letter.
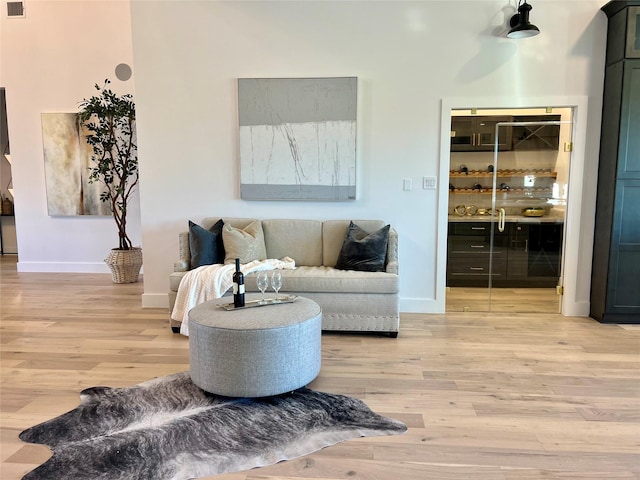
x: 429, y: 183
x: 406, y: 184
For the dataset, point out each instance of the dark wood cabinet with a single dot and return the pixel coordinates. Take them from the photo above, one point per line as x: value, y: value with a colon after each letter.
x: 524, y: 255
x: 518, y: 251
x: 623, y: 32
x: 535, y: 253
x: 471, y: 133
x: 469, y: 249
x: 615, y: 289
x: 545, y: 253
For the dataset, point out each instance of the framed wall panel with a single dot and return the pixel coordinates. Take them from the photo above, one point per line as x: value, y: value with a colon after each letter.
x: 297, y: 138
x: 67, y: 158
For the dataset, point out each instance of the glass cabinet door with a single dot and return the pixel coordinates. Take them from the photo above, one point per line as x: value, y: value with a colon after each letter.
x: 462, y: 134
x: 471, y: 133
x: 486, y: 133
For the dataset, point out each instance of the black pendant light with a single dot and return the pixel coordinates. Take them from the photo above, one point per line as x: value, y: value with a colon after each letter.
x: 519, y: 23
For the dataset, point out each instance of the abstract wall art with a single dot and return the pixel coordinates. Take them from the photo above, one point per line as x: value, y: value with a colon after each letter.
x: 297, y: 138
x: 67, y: 158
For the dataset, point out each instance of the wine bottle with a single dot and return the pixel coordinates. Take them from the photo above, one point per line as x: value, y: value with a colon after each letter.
x: 238, y: 286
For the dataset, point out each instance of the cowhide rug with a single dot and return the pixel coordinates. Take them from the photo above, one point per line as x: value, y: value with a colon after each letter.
x: 168, y: 428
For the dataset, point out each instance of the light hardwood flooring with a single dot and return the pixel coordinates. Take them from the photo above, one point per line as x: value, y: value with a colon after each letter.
x: 485, y: 396
x: 502, y: 300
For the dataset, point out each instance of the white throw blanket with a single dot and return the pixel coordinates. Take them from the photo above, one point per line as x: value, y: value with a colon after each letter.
x: 212, y: 281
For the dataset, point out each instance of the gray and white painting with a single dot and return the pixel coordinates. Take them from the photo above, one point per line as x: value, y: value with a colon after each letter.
x: 297, y: 138
x: 67, y: 158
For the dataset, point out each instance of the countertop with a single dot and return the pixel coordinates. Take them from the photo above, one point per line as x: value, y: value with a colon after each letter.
x: 552, y: 218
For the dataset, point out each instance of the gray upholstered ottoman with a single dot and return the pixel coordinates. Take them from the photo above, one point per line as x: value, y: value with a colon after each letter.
x: 255, y: 352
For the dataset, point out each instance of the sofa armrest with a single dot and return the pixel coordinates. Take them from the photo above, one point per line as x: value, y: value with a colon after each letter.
x: 392, y: 267
x: 180, y: 266
x: 183, y: 264
x: 392, y: 252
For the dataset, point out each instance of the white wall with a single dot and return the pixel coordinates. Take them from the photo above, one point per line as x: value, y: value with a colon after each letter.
x: 409, y: 58
x: 51, y: 60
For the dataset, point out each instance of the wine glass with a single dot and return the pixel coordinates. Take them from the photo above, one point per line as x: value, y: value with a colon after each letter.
x: 276, y: 282
x: 262, y: 280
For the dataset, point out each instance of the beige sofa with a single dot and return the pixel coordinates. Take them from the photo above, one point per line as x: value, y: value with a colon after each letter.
x: 350, y: 300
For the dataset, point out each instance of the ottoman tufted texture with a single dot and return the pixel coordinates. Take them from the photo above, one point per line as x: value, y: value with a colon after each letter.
x: 255, y: 352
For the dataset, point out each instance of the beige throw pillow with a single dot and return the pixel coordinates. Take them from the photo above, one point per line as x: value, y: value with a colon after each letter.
x: 247, y: 243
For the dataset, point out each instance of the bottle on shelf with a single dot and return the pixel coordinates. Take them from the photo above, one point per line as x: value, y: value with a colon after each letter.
x: 238, y: 286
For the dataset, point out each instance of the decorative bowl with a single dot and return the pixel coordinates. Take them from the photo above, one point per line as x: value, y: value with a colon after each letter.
x: 533, y: 212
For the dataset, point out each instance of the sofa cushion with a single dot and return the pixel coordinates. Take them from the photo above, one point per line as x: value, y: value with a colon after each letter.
x: 247, y: 243
x: 298, y: 239
x: 205, y: 245
x: 320, y: 279
x: 333, y: 234
x: 327, y: 279
x: 362, y: 251
x: 238, y: 222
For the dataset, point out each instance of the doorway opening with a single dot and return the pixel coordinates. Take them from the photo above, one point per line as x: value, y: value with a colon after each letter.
x: 8, y: 243
x: 508, y: 186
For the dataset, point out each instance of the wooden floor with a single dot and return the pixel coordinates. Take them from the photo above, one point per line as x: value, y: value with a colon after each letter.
x: 485, y: 396
x: 502, y: 300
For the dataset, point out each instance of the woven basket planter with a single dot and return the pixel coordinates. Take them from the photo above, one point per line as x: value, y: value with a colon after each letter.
x: 124, y: 264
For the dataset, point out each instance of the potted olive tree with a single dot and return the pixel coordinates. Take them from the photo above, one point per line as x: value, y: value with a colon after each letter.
x: 110, y: 120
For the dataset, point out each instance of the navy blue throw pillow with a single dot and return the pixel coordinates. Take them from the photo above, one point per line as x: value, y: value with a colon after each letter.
x: 363, y: 251
x: 206, y: 245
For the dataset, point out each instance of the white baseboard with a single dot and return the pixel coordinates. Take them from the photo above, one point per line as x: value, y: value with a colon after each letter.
x: 155, y: 300
x: 62, y: 267
x: 419, y: 305
x: 576, y: 309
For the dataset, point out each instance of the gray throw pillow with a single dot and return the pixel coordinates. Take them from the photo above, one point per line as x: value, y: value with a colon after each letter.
x: 206, y: 245
x: 363, y: 251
